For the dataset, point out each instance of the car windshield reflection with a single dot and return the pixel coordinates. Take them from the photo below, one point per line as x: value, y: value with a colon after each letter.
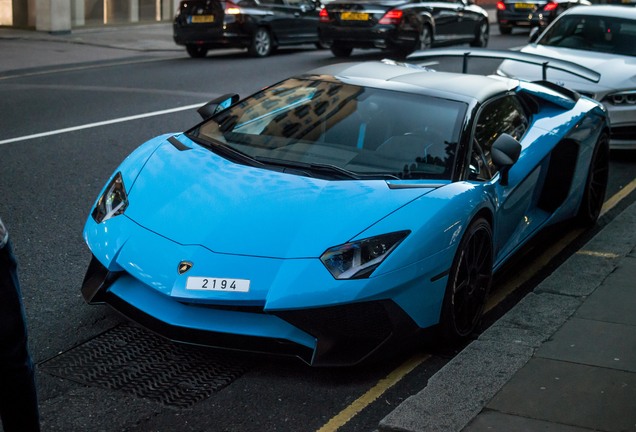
x: 593, y: 33
x: 357, y: 131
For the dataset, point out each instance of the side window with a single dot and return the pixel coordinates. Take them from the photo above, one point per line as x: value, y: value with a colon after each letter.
x: 502, y: 115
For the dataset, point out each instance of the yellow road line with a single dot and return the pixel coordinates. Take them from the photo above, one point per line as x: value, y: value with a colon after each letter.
x: 373, y: 393
x: 394, y: 377
x: 620, y: 195
x: 525, y: 274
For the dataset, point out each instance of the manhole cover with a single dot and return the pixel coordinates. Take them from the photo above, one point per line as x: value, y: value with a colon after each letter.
x: 131, y: 359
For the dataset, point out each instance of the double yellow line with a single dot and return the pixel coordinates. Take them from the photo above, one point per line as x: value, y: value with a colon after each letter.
x: 405, y: 368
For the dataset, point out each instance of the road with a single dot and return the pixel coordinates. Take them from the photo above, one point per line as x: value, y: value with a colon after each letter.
x: 62, y: 133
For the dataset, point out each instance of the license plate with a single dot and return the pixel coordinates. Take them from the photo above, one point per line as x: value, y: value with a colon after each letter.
x: 524, y: 6
x: 354, y: 16
x: 202, y: 18
x: 217, y: 284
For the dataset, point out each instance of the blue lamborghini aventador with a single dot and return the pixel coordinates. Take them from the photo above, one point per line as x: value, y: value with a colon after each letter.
x: 337, y: 210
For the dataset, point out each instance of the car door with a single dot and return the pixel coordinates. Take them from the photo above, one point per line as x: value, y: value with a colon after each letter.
x: 445, y: 17
x: 305, y: 23
x: 280, y: 19
x: 514, y: 201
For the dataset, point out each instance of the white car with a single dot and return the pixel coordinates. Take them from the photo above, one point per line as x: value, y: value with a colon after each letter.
x: 601, y: 38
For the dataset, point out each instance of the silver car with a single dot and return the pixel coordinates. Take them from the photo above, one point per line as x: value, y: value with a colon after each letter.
x: 601, y: 38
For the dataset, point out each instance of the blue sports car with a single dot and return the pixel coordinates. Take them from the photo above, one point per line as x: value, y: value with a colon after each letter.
x: 341, y: 209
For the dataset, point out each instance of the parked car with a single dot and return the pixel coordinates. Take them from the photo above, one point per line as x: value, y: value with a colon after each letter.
x: 401, y: 26
x: 599, y: 37
x: 258, y: 25
x: 531, y: 13
x: 341, y: 209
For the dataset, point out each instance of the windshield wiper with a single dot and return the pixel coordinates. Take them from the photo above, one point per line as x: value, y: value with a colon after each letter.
x: 227, y: 151
x: 320, y: 168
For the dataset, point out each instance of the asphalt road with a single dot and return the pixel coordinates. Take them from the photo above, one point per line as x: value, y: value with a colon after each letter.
x: 62, y: 132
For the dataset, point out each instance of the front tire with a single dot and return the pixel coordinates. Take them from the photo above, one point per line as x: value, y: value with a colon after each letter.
x: 481, y: 35
x: 262, y: 44
x: 468, y: 283
x: 596, y: 183
x: 340, y: 51
x: 196, y: 51
x: 426, y: 38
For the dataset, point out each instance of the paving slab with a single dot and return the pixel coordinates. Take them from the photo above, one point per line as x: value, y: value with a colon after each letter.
x: 614, y: 300
x: 594, y: 343
x: 571, y: 394
x: 493, y: 421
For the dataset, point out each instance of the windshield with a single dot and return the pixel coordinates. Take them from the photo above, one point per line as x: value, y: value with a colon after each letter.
x: 593, y: 33
x: 350, y: 131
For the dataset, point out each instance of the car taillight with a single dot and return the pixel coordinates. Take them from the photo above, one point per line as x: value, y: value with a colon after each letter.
x: 394, y: 16
x: 550, y: 7
x: 323, y: 16
x: 232, y: 9
x: 501, y: 5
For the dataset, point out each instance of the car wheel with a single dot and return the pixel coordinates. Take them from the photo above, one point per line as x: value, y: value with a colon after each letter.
x: 481, y: 36
x: 426, y: 38
x: 261, y: 43
x: 505, y: 30
x: 468, y: 283
x: 196, y: 51
x: 340, y: 51
x: 596, y: 183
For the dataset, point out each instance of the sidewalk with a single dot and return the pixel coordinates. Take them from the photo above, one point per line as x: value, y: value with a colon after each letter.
x: 563, y: 359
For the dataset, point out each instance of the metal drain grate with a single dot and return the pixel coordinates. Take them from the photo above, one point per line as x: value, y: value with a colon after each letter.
x: 130, y: 359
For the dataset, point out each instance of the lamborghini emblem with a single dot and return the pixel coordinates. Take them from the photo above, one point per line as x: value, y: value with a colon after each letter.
x: 184, y: 266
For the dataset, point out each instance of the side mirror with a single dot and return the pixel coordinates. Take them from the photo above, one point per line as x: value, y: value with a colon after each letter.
x: 505, y: 152
x: 534, y: 34
x: 217, y: 105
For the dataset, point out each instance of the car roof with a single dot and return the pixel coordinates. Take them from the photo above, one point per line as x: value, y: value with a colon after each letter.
x: 614, y: 11
x: 392, y: 75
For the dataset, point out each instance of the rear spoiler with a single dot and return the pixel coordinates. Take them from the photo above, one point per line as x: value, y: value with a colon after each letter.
x: 534, y: 59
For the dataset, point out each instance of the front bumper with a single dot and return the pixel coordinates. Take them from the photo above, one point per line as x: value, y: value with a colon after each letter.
x: 623, y: 126
x: 328, y: 336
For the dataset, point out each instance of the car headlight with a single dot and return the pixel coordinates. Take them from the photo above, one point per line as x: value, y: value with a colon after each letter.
x: 359, y: 259
x: 622, y: 98
x: 113, y: 201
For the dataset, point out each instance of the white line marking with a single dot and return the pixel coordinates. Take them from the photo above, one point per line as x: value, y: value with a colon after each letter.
x: 102, y: 123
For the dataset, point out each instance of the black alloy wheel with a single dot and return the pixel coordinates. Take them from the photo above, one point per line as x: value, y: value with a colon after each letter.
x: 505, y: 30
x: 596, y: 183
x: 468, y: 283
x: 481, y: 35
x: 196, y: 51
x: 426, y: 38
x: 340, y: 51
x: 262, y: 44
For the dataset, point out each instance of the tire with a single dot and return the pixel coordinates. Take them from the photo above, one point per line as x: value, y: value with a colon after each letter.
x: 425, y: 41
x: 468, y: 283
x: 196, y: 51
x: 505, y: 30
x: 595, y: 184
x: 262, y: 44
x: 481, y: 35
x: 340, y: 51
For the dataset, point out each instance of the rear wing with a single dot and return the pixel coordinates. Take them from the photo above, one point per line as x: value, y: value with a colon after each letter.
x: 534, y: 59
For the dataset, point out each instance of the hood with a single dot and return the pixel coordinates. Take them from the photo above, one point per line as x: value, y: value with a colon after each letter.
x: 617, y: 72
x: 197, y: 197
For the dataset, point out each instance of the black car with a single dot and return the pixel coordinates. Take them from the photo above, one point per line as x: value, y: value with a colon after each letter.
x: 531, y: 13
x: 258, y: 25
x: 402, y: 26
